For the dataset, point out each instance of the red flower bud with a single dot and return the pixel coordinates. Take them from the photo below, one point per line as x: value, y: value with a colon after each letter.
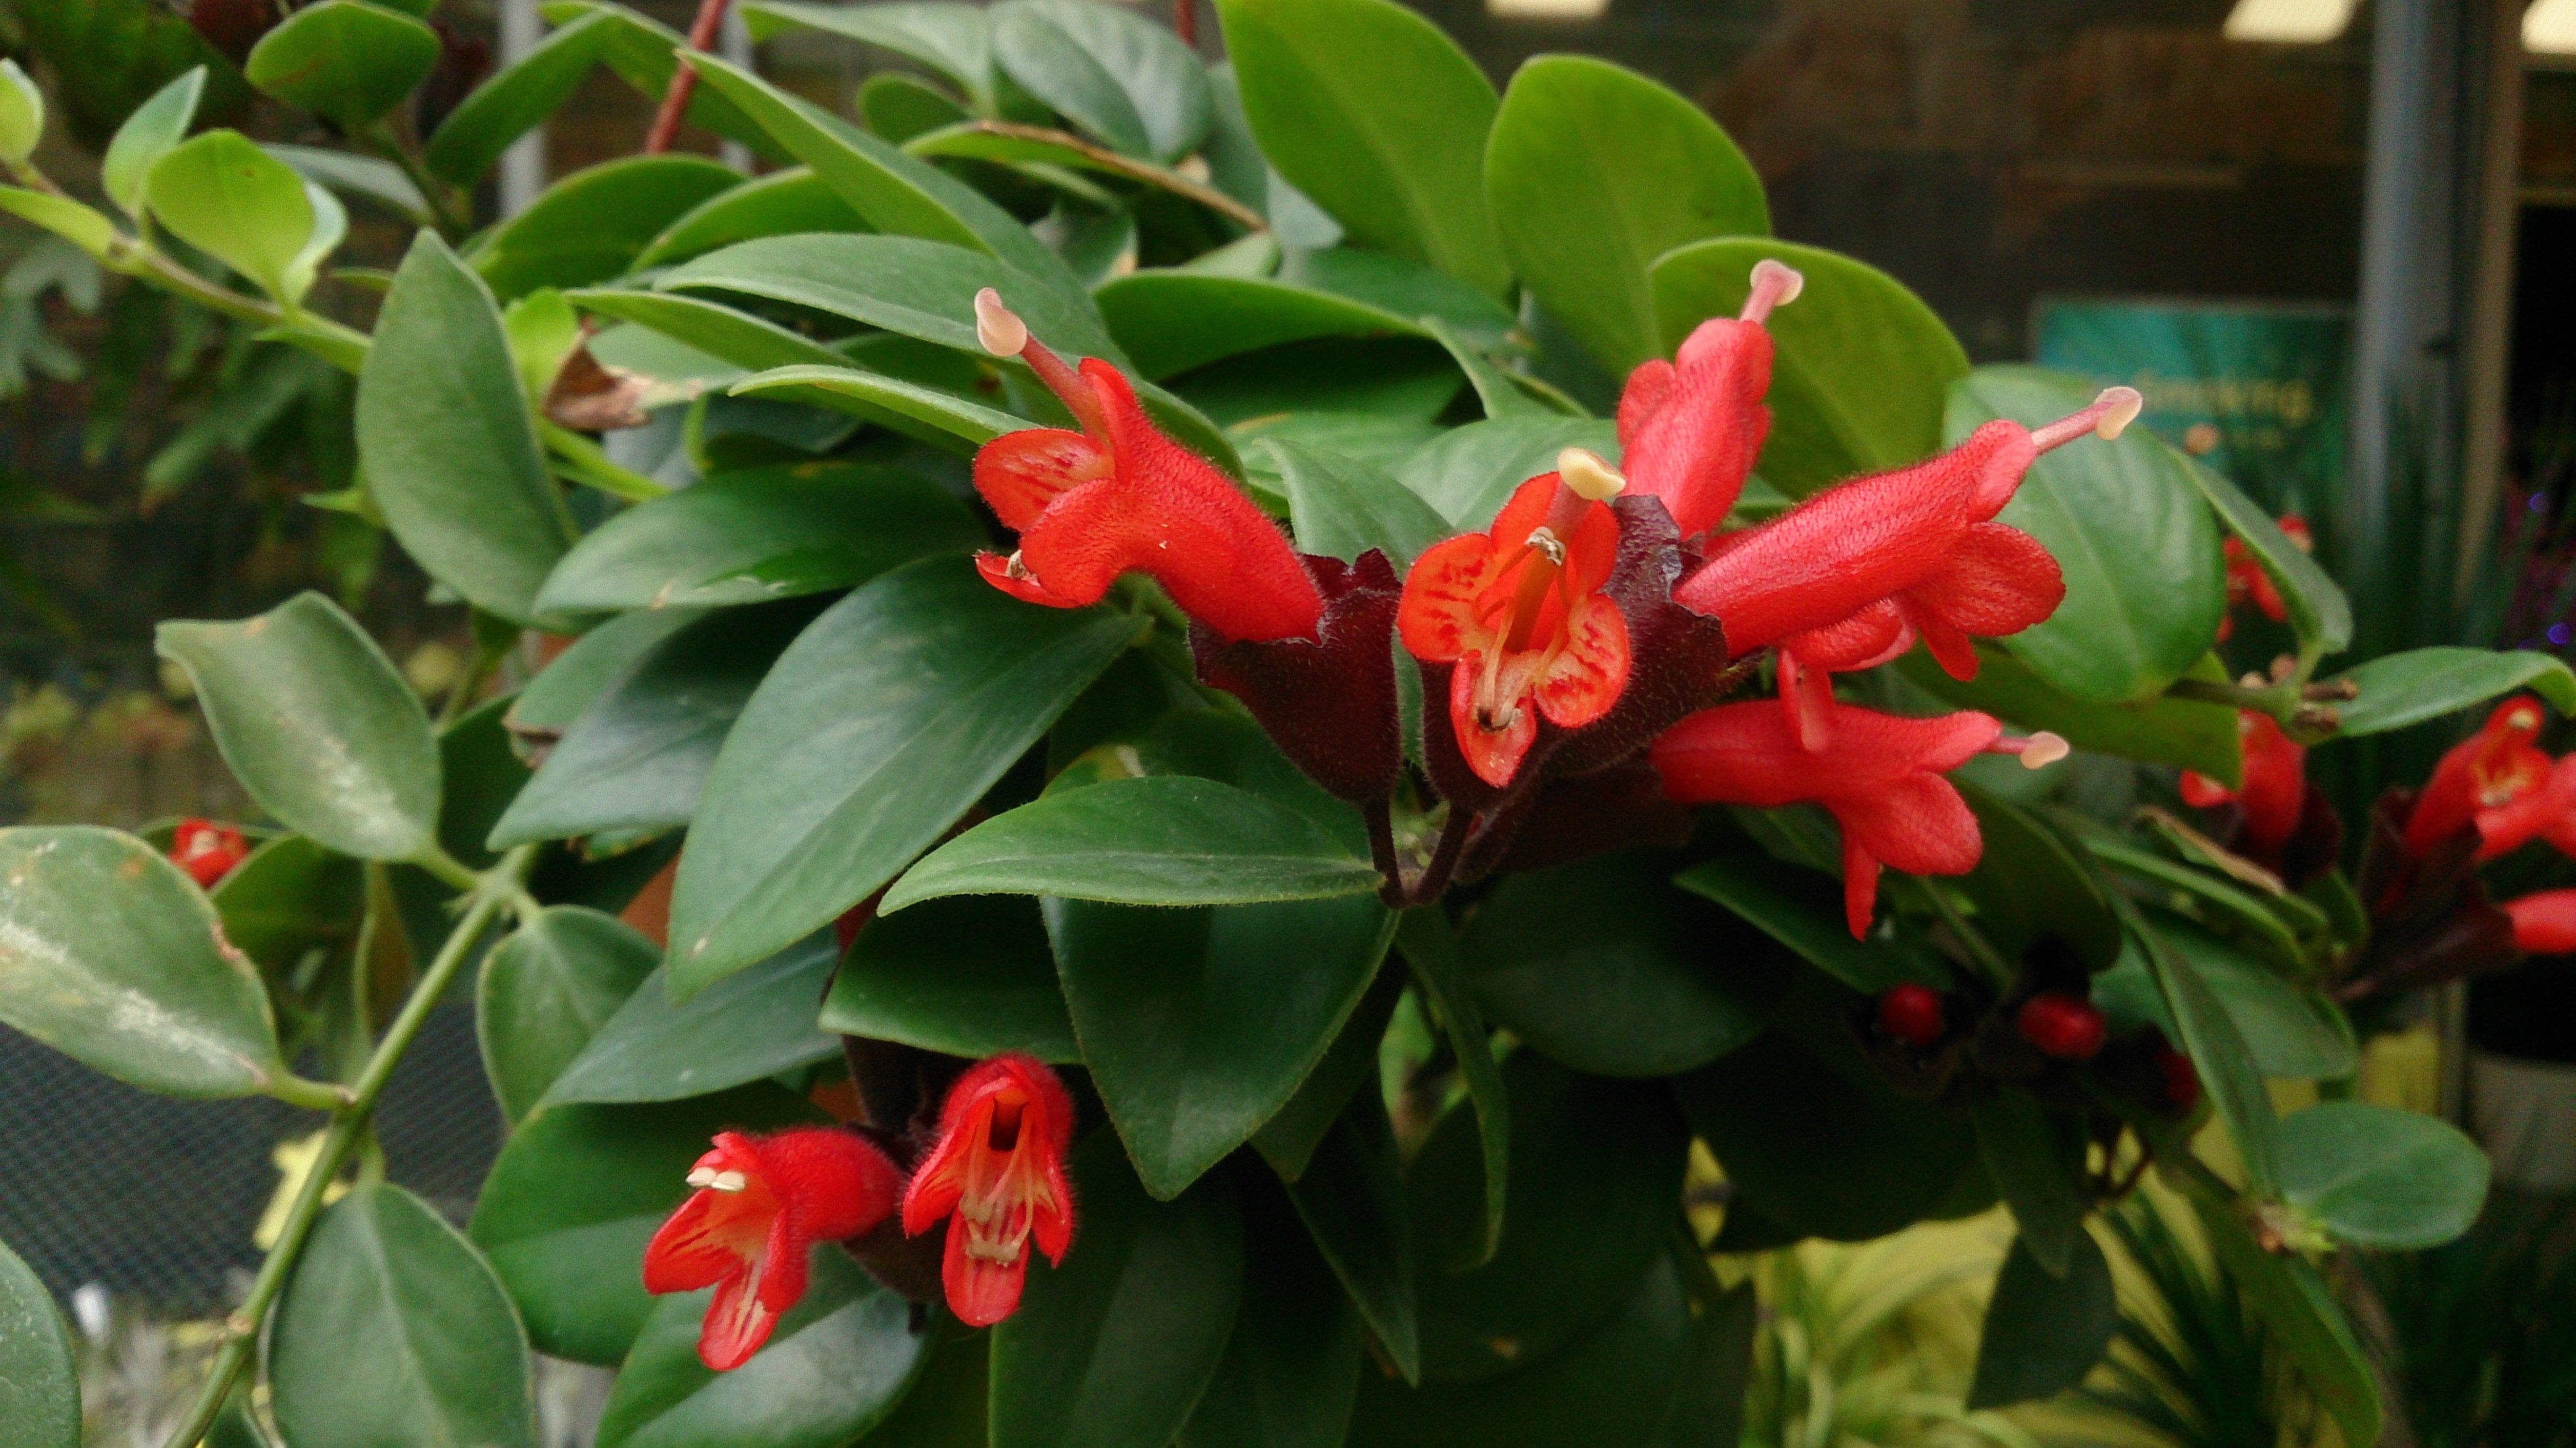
x: 2544, y: 924
x: 1912, y: 1014
x: 997, y: 1176
x: 2182, y: 1083
x: 1689, y: 429
x: 206, y: 850
x: 761, y: 1205
x: 2275, y: 791
x: 2067, y: 1027
x: 1120, y: 497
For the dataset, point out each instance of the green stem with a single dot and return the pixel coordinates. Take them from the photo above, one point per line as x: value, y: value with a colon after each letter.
x: 587, y: 463
x: 309, y: 1095
x: 1970, y: 937
x: 348, y: 1130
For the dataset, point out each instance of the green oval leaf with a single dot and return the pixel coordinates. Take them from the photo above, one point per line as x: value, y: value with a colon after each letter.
x: 317, y: 725
x: 779, y: 204
x: 1608, y: 969
x: 1431, y: 951
x: 889, y: 716
x: 834, y: 1366
x: 591, y: 225
x: 1593, y: 172
x: 2160, y: 729
x: 644, y: 53
x: 2037, y: 1168
x: 2145, y: 587
x: 577, y: 676
x: 291, y: 896
x: 40, y: 1395
x: 1343, y: 508
x: 969, y: 977
x: 515, y: 101
x: 1172, y: 321
x: 1467, y: 472
x: 223, y: 195
x: 750, y: 1026
x: 1860, y: 367
x: 1113, y: 1348
x: 2292, y: 1034
x: 544, y: 993
x: 2044, y: 1332
x: 1117, y: 75
x: 2372, y: 1176
x: 579, y: 1190
x: 2396, y: 690
x: 901, y: 107
x: 344, y: 60
x: 1366, y: 107
x: 1802, y: 910
x: 1292, y: 1365
x: 82, y: 226
x: 2208, y: 1034
x: 393, y: 1330
x: 445, y: 437
x: 954, y: 40
x: 2319, y: 612
x: 2294, y: 1302
x: 1351, y: 1197
x: 2029, y: 885
x: 943, y: 420
x: 720, y: 331
x: 152, y: 132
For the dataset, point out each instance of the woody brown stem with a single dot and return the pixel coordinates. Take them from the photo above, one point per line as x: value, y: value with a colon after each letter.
x: 684, y: 78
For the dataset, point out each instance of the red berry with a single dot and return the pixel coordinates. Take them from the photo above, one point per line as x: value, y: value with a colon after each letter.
x: 1912, y: 1014
x: 2182, y: 1083
x: 2061, y: 1025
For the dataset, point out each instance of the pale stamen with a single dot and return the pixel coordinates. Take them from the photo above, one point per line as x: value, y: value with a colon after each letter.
x: 2037, y: 752
x: 1775, y: 284
x: 2107, y: 417
x: 998, y: 327
x: 708, y: 1179
x: 1588, y: 476
x: 1548, y: 543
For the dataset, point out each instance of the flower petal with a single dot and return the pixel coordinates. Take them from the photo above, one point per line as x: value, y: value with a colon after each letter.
x: 1583, y: 680
x: 980, y: 1291
x: 1020, y: 473
x: 736, y: 1324
x: 684, y: 1255
x: 1437, y: 619
x: 1918, y: 824
x: 1995, y: 581
x: 1493, y: 754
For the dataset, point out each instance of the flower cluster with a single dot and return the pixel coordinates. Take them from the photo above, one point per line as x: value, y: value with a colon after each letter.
x: 993, y: 1178
x: 1595, y: 626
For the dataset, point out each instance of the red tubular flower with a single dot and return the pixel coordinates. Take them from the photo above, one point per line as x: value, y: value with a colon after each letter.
x: 1521, y: 611
x: 1689, y: 429
x: 2480, y: 779
x: 997, y: 1175
x: 1853, y: 575
x: 760, y: 1206
x: 2544, y: 924
x: 2248, y: 582
x: 1880, y: 777
x: 2275, y: 789
x: 206, y: 850
x: 1120, y: 497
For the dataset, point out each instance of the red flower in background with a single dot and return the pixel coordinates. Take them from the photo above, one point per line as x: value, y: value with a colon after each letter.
x: 997, y: 1175
x: 760, y: 1206
x: 2248, y: 582
x: 1120, y: 497
x: 1520, y: 610
x: 206, y: 850
x: 2275, y: 790
x: 1689, y: 429
x: 2481, y: 780
x: 2544, y: 924
x: 1879, y: 776
x: 1850, y: 577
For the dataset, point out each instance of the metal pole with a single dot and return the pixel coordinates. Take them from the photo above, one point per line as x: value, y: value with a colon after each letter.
x: 523, y: 166
x: 735, y: 46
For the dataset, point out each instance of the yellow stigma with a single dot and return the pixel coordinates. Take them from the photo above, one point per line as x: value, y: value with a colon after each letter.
x: 1786, y: 281
x: 998, y: 327
x: 1591, y: 479
x: 2121, y: 407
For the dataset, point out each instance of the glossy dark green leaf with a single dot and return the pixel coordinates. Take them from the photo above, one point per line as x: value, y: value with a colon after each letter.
x: 2029, y: 886
x: 1860, y: 369
x: 447, y: 442
x: 545, y: 991
x: 317, y: 725
x: 1596, y: 1179
x: 1611, y: 1386
x: 1114, y: 1347
x: 152, y: 132
x: 834, y: 1366
x: 2301, y: 1312
x: 1343, y: 508
x: 946, y: 1407
x: 1803, y: 911
x: 2319, y: 612
x: 918, y: 288
x: 40, y: 1397
x: 2291, y: 1033
x: 579, y: 1190
x: 220, y: 193
x: 516, y: 100
x: 2219, y: 1053
x: 482, y: 773
x: 889, y: 716
x: 1593, y: 172
x: 591, y: 225
x: 2397, y: 690
x: 752, y: 1025
x: 1172, y: 321
x: 394, y: 1330
x: 1708, y: 1407
x: 1292, y: 1365
x: 2037, y: 1167
x: 1608, y: 969
x: 732, y: 336
x: 900, y: 107
x: 2161, y: 730
x: 1813, y: 1136
x: 956, y: 40
x: 748, y: 537
x: 2372, y: 1176
x: 970, y: 977
x: 1289, y: 1139
x: 1153, y: 841
x: 939, y: 418
x: 1468, y: 472
x: 2145, y: 586
x: 1431, y: 950
x: 1125, y: 79
x: 574, y: 680
x: 1352, y: 1200
x: 344, y: 60
x: 1401, y: 287
x: 639, y: 756
x: 778, y: 204
x: 2044, y: 1331
x: 1379, y: 117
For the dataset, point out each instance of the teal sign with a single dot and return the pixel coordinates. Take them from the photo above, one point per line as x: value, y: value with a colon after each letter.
x: 2256, y: 390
